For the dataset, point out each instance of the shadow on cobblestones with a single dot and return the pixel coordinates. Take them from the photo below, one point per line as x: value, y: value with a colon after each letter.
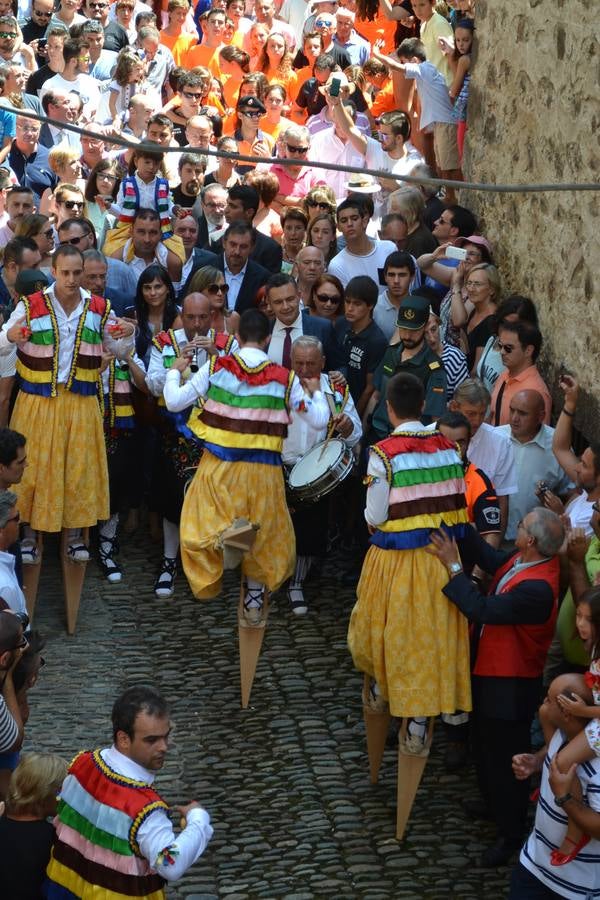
x: 286, y: 781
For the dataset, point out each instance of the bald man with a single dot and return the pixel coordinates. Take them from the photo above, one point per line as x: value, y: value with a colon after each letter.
x: 309, y: 265
x: 179, y: 452
x: 535, y: 461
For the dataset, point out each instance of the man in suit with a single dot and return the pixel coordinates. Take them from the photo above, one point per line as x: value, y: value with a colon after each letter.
x: 242, y: 205
x: 243, y: 276
x: 290, y: 323
x: 209, y: 212
x: 186, y: 228
x: 57, y: 105
x: 515, y: 623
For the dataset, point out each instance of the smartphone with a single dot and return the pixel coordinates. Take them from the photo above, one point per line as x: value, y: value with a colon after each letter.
x: 456, y: 253
x: 42, y: 44
x: 334, y: 89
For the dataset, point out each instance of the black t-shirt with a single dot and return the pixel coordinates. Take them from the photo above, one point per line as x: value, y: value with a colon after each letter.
x: 24, y: 854
x: 181, y: 199
x: 339, y: 54
x: 37, y: 79
x: 362, y: 353
x: 115, y: 37
x: 310, y: 98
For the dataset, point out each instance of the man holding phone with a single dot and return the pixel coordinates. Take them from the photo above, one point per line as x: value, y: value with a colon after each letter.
x: 35, y: 27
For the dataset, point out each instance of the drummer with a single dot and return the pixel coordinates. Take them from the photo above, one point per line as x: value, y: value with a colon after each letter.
x: 311, y: 520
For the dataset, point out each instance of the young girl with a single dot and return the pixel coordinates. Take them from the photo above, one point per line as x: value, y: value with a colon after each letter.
x: 459, y: 58
x: 276, y: 63
x: 586, y: 705
x: 129, y: 79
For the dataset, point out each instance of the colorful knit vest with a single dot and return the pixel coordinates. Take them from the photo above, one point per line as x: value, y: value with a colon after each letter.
x: 118, y: 402
x: 37, y: 359
x: 246, y: 412
x: 340, y: 399
x: 131, y: 203
x: 427, y: 489
x: 96, y: 853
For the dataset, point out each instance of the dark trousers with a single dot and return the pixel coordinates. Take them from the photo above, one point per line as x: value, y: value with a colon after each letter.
x: 525, y: 886
x: 495, y: 742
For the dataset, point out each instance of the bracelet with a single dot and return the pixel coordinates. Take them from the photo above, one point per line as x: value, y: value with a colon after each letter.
x: 567, y: 413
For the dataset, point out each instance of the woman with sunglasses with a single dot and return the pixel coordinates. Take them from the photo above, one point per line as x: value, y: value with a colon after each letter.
x: 69, y: 203
x: 319, y: 200
x: 211, y: 282
x: 65, y: 163
x: 322, y: 233
x: 251, y: 140
x: 327, y: 298
x: 101, y: 192
x: 38, y: 227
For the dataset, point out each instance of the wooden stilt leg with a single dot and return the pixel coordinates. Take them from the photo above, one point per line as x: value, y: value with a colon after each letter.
x: 410, y: 771
x: 73, y: 577
x: 377, y: 722
x: 31, y: 577
x: 250, y: 641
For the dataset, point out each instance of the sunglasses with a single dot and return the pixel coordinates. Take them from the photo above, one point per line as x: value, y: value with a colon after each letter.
x: 215, y: 288
x: 508, y: 348
x: 72, y: 204
x: 252, y: 113
x: 296, y: 149
x: 319, y: 203
x: 323, y: 23
x: 191, y: 96
x: 8, y: 34
x: 78, y: 240
x: 325, y: 298
x: 41, y: 14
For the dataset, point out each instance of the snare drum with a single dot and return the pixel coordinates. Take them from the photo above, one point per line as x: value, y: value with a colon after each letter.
x: 319, y: 471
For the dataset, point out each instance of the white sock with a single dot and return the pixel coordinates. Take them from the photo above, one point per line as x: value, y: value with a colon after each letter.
x: 107, y: 532
x: 257, y: 588
x: 170, y: 539
x: 417, y: 727
x: 29, y: 534
x: 74, y: 535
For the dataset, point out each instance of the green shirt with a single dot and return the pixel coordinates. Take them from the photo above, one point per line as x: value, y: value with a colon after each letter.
x: 427, y: 367
x: 572, y: 645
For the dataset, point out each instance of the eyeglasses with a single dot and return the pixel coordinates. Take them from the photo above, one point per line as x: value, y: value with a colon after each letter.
x: 85, y: 58
x: 8, y: 34
x: 72, y: 204
x: 508, y: 348
x: 475, y: 284
x: 296, y: 149
x: 320, y: 203
x: 191, y: 96
x: 77, y: 240
x: 251, y: 113
x: 97, y: 5
x: 28, y: 129
x: 105, y: 176
x: 15, y: 518
x: 326, y: 298
x: 215, y: 288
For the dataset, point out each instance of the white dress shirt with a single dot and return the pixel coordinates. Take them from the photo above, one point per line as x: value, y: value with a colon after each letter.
x: 301, y: 436
x: 157, y: 374
x: 275, y: 349
x: 178, y: 397
x: 156, y: 833
x: 10, y: 590
x: 492, y: 452
x: 233, y: 282
x: 67, y: 331
x: 378, y: 492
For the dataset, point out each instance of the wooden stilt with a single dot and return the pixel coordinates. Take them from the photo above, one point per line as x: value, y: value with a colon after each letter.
x: 250, y: 641
x: 377, y: 722
x: 31, y: 577
x: 410, y: 771
x: 73, y: 577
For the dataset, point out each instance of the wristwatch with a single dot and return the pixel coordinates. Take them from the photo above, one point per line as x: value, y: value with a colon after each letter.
x: 454, y: 569
x: 560, y: 801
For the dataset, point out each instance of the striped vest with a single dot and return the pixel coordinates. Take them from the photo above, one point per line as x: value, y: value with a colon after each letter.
x: 131, y: 203
x: 118, y: 402
x: 246, y: 412
x: 95, y: 852
x: 427, y: 489
x: 37, y: 359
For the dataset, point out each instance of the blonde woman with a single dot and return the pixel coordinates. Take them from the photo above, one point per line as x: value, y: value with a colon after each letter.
x: 65, y: 162
x: 211, y: 282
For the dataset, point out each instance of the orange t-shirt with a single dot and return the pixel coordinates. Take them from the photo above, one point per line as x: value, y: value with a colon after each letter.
x: 384, y: 101
x: 380, y: 28
x: 302, y: 75
x: 274, y: 130
x: 289, y: 82
x: 201, y: 55
x: 179, y: 46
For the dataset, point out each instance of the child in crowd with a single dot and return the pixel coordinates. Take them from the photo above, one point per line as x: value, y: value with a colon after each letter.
x: 459, y: 58
x: 129, y: 78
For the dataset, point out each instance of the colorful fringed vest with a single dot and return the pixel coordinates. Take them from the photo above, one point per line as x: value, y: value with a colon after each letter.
x: 131, y: 203
x: 167, y: 345
x: 118, y: 402
x: 427, y: 489
x: 95, y: 852
x: 340, y: 399
x: 37, y: 359
x: 246, y: 412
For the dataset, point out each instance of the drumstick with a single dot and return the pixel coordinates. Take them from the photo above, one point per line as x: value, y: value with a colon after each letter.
x: 326, y: 444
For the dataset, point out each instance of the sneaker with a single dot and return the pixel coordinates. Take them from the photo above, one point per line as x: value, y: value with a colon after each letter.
x: 78, y: 552
x: 164, y: 584
x: 29, y: 552
x: 253, y: 606
x: 297, y: 601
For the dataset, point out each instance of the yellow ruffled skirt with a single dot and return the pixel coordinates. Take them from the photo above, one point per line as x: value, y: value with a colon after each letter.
x: 65, y: 483
x: 408, y: 636
x: 221, y: 492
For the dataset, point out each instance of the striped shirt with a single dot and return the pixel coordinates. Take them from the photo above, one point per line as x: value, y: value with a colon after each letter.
x: 9, y: 731
x: 455, y: 366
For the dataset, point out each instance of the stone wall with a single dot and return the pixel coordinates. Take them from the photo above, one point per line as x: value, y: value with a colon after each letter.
x: 534, y: 117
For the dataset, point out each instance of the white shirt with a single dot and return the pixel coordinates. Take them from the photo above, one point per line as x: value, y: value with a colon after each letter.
x: 147, y: 194
x: 378, y: 492
x: 579, y: 510
x: 347, y: 265
x: 6, y: 234
x: 178, y: 397
x: 301, y: 436
x: 10, y: 590
x: 492, y: 452
x: 156, y: 833
x: 535, y: 462
x: 377, y: 158
x: 328, y: 148
x: 275, y: 349
x: 84, y: 85
x: 67, y: 331
x: 157, y: 374
x: 63, y: 136
x: 234, y: 282
x: 139, y: 265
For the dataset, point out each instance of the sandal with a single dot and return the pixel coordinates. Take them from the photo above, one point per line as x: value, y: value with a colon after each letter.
x: 108, y: 565
x: 78, y: 552
x: 561, y: 859
x: 163, y: 586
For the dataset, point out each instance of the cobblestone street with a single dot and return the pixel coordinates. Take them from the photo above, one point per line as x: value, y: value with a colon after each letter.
x: 286, y: 781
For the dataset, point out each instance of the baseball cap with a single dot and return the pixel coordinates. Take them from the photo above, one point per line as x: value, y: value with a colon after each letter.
x: 413, y: 313
x: 478, y: 240
x: 29, y: 281
x: 251, y: 104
